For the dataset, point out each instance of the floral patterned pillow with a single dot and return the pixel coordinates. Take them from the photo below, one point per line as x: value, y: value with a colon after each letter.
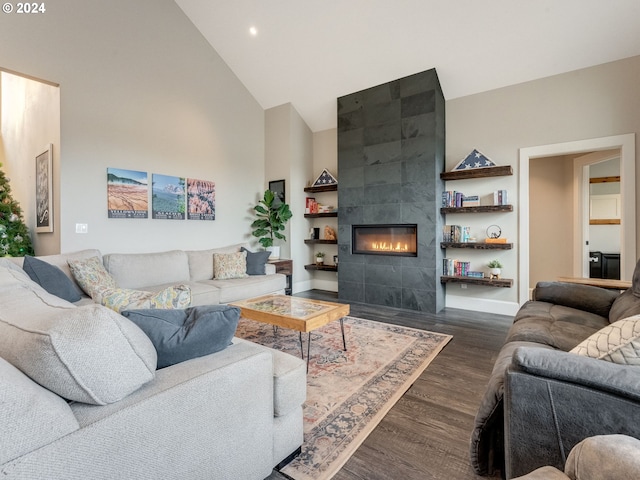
x: 118, y: 299
x: 91, y: 275
x: 229, y: 265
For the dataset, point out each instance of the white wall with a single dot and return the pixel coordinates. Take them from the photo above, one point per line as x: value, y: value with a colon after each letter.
x: 595, y: 102
x: 29, y: 122
x: 289, y: 152
x: 141, y: 89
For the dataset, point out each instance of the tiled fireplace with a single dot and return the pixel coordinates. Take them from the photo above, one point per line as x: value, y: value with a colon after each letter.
x: 390, y: 155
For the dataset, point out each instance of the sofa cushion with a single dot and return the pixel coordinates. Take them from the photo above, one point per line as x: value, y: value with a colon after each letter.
x: 139, y: 270
x: 180, y: 335
x: 554, y: 325
x: 585, y: 298
x: 256, y: 262
x: 31, y: 416
x: 91, y: 275
x: 617, y: 343
x: 51, y: 278
x: 88, y: 354
x: 118, y: 299
x: 251, y: 286
x: 229, y: 265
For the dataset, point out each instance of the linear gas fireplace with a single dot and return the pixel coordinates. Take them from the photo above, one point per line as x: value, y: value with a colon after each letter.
x: 401, y: 240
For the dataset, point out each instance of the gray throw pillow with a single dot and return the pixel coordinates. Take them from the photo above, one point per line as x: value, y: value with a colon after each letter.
x: 182, y: 334
x: 256, y: 262
x: 52, y: 279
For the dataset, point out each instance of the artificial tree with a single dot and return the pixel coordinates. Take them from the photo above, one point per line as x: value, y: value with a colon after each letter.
x: 15, y: 240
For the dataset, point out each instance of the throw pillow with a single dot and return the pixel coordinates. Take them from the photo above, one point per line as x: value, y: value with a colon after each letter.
x: 91, y: 275
x: 86, y: 354
x: 180, y: 335
x: 51, y: 278
x: 229, y: 265
x: 118, y: 299
x: 256, y: 262
x: 617, y: 343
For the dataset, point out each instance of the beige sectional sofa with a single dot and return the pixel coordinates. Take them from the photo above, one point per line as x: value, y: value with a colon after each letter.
x: 80, y: 396
x: 194, y: 268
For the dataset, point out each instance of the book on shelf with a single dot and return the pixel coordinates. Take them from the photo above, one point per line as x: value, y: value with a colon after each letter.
x: 311, y: 206
x: 471, y: 201
x: 451, y: 198
x: 456, y: 233
x: 455, y: 268
x: 500, y: 197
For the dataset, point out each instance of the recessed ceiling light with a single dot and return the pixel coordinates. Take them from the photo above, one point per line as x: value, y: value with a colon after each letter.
x: 253, y: 31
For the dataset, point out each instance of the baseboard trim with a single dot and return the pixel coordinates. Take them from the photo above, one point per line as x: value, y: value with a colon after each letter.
x: 482, y: 305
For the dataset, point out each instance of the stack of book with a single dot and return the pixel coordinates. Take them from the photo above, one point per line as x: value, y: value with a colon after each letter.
x: 451, y: 198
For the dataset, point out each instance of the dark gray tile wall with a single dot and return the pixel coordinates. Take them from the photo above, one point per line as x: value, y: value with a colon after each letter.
x: 390, y: 154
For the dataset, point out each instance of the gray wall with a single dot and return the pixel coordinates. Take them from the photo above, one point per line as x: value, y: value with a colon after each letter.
x: 140, y: 88
x: 390, y: 155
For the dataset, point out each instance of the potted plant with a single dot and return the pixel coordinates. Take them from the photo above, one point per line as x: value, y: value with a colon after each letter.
x: 495, y: 267
x: 272, y: 216
x: 319, y: 258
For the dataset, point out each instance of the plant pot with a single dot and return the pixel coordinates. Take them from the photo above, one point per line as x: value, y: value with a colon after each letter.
x: 319, y: 260
x: 275, y: 253
x: 495, y: 272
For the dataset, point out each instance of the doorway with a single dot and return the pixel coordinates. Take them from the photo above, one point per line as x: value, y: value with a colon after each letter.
x: 626, y: 144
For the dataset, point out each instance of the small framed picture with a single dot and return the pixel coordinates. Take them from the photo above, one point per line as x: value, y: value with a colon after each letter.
x: 277, y: 187
x: 44, y: 191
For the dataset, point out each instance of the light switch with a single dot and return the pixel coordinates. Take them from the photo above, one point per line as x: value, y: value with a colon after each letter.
x: 82, y: 228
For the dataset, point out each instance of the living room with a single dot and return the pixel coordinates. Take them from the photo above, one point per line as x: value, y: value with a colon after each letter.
x: 140, y: 88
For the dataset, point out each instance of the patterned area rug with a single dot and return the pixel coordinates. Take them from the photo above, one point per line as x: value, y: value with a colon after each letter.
x: 348, y: 393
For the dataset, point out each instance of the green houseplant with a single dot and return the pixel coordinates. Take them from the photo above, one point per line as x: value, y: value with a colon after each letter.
x: 272, y: 216
x: 319, y: 258
x: 495, y: 267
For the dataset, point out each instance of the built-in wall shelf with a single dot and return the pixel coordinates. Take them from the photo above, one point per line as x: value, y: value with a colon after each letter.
x: 326, y: 268
x: 320, y: 240
x: 319, y: 215
x: 322, y: 188
x: 477, y: 173
x: 477, y: 245
x: 480, y: 209
x: 485, y: 282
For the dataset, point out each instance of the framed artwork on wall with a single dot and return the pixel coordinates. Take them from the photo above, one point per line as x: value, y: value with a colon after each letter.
x: 277, y: 187
x: 44, y: 191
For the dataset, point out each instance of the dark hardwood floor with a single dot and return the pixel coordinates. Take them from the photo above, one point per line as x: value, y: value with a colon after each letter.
x: 426, y: 434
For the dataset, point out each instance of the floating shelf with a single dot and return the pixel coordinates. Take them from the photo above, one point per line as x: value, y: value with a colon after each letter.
x: 477, y: 245
x: 329, y: 242
x: 326, y: 268
x: 480, y: 209
x: 319, y: 215
x: 322, y: 188
x: 486, y: 282
x: 477, y: 173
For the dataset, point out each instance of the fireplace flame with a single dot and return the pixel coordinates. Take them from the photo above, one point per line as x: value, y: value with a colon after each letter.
x: 389, y: 247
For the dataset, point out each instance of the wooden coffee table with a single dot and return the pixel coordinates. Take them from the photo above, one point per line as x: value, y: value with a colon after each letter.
x: 300, y: 314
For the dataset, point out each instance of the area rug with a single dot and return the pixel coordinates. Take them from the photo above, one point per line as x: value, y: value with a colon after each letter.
x: 348, y: 393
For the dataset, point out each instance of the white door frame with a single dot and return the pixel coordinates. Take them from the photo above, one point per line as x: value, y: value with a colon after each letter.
x: 626, y: 144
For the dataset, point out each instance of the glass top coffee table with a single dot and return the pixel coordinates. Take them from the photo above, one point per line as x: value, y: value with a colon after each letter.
x: 300, y: 314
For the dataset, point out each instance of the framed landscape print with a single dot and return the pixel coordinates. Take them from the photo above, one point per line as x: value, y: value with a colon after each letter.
x: 44, y: 191
x: 201, y: 199
x: 127, y: 193
x: 168, y: 200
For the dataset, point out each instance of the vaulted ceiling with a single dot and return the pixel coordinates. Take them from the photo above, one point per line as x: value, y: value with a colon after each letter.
x: 309, y: 52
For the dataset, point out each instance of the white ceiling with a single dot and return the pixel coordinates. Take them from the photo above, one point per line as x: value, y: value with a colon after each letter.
x: 309, y: 52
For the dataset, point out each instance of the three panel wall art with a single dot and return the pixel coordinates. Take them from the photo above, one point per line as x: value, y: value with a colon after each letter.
x: 172, y: 198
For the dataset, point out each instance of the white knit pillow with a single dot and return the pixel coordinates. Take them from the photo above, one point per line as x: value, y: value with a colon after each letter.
x: 617, y: 343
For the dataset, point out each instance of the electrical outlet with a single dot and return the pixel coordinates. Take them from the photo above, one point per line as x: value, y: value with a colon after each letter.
x: 463, y: 285
x: 82, y: 228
